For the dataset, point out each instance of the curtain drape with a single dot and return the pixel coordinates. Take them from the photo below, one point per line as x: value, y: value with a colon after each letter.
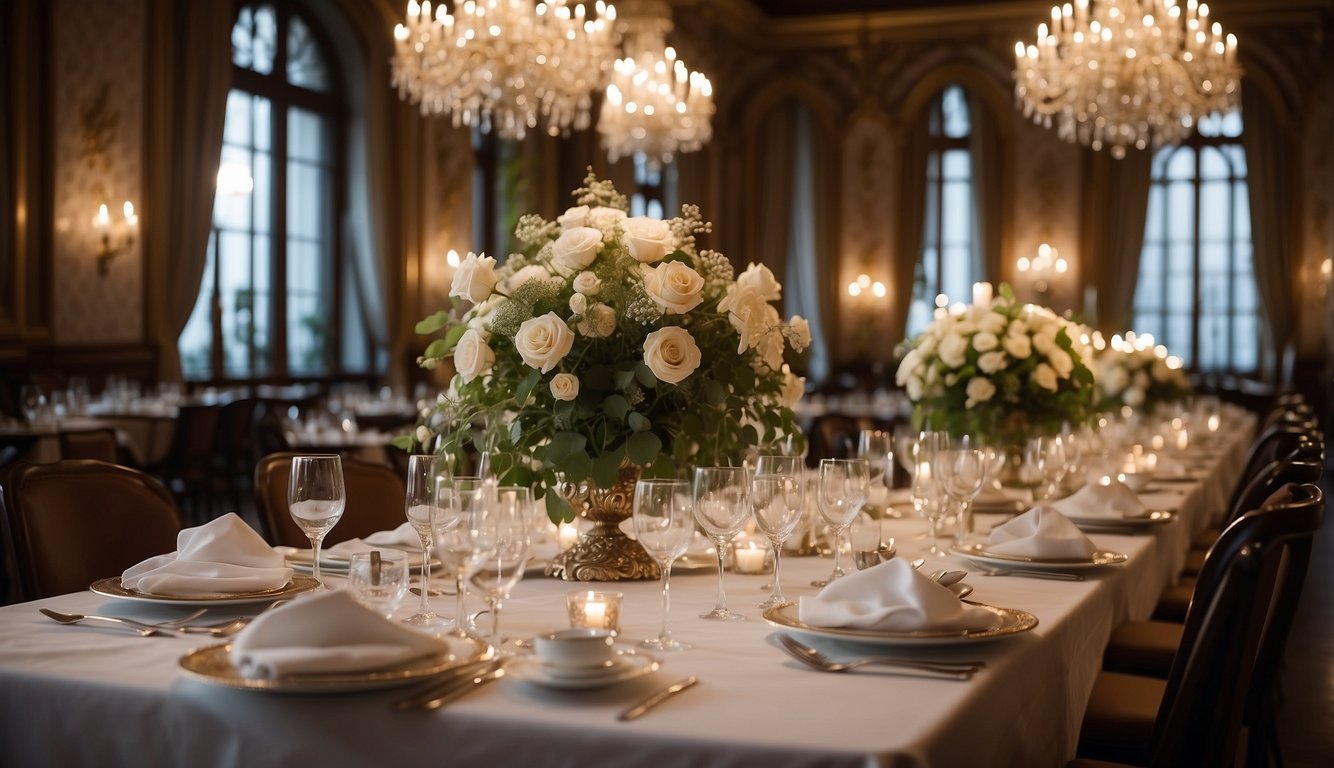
x: 774, y: 191
x: 811, y: 291
x: 1269, y: 183
x: 191, y: 69
x: 1113, y: 235
x: 987, y: 160
x: 912, y: 206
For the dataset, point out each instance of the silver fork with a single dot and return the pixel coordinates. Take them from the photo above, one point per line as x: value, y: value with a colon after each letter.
x: 953, y: 670
x: 1053, y: 575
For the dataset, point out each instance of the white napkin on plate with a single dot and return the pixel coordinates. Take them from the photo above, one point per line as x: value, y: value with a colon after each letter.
x: 403, y: 537
x: 1114, y: 501
x: 894, y: 597
x: 326, y: 633
x: 1042, y: 532
x: 222, y: 557
x: 1171, y: 468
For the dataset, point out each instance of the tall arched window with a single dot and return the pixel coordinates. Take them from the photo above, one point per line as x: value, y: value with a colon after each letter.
x: 1196, y: 292
x: 274, y: 302
x: 949, y: 263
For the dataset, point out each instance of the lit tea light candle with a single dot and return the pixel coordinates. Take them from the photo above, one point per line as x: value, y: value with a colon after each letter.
x: 594, y: 610
x: 749, y: 558
x: 568, y: 534
x: 982, y: 294
x: 595, y: 613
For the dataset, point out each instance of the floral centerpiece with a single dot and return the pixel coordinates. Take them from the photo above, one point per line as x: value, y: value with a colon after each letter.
x: 1002, y: 371
x: 1134, y: 372
x: 609, y: 346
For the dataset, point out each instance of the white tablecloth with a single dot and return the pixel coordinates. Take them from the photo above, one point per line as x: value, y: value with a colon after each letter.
x: 82, y: 696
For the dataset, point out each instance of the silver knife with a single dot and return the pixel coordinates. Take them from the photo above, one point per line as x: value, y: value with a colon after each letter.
x: 456, y: 682
x: 657, y: 698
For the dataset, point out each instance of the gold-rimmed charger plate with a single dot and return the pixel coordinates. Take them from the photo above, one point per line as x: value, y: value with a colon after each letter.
x: 1100, y: 558
x: 213, y: 665
x: 111, y: 587
x: 1008, y: 621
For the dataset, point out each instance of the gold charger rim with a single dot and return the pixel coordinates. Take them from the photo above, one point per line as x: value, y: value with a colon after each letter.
x: 112, y: 587
x: 1013, y: 621
x: 1099, y: 558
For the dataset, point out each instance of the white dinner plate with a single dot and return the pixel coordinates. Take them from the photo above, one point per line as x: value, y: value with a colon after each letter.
x: 213, y: 665
x: 1150, y: 521
x: 627, y: 665
x: 338, y: 562
x: 1099, y: 559
x: 113, y: 588
x: 1008, y: 621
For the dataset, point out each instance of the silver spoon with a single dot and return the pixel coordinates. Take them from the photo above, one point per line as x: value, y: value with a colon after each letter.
x: 144, y: 630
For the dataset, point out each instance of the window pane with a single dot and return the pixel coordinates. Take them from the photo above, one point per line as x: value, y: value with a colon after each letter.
x: 196, y: 341
x: 262, y: 168
x: 307, y: 190
x: 957, y: 219
x: 1215, y: 211
x: 1246, y: 345
x: 1214, y: 164
x: 1181, y: 202
x: 954, y: 109
x: 305, y: 62
x: 253, y: 39
x: 307, y: 136
x: 957, y: 164
x: 1153, y: 227
x: 263, y: 123
x: 1241, y: 205
x: 1176, y: 335
x: 236, y: 127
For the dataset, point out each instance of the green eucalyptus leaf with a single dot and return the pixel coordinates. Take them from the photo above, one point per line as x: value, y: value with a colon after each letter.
x: 576, y: 467
x: 606, y: 469
x: 431, y: 324
x: 644, y: 375
x: 714, y: 393
x: 558, y: 509
x: 404, y: 442
x: 642, y: 447
x: 623, y: 379
x: 525, y: 388
x: 616, y: 406
x: 563, y: 445
x: 438, y: 348
x: 638, y: 421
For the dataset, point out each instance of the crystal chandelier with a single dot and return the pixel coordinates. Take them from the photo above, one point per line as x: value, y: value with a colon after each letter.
x: 653, y: 104
x: 1127, y: 73
x: 505, y: 65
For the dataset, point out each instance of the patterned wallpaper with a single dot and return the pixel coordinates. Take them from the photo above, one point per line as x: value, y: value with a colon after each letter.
x: 98, y: 116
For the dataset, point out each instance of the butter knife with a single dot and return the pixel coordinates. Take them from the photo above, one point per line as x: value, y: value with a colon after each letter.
x: 452, y: 686
x: 657, y: 698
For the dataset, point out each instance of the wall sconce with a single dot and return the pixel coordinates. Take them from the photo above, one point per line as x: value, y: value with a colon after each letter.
x: 1043, y: 268
x: 122, y: 231
x: 452, y: 259
x: 864, y: 285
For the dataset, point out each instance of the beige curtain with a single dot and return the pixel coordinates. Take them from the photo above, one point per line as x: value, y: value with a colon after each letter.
x: 190, y: 65
x: 912, y: 210
x: 1269, y: 182
x: 988, y: 167
x: 1113, y: 236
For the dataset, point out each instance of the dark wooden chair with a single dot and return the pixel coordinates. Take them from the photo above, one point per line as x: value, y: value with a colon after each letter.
x: 101, y: 444
x: 375, y: 500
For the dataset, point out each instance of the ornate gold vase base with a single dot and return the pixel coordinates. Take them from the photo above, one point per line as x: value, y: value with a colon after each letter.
x: 603, y: 552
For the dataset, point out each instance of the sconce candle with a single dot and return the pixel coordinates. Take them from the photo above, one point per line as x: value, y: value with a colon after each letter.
x: 106, y: 251
x: 982, y: 294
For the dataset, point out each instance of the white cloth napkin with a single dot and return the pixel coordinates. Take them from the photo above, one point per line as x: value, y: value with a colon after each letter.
x: 222, y: 557
x: 326, y: 633
x: 403, y: 537
x: 1042, y: 532
x: 891, y: 596
x: 1114, y: 501
x: 1171, y: 468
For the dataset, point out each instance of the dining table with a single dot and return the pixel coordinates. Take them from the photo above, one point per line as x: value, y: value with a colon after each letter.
x: 100, y: 696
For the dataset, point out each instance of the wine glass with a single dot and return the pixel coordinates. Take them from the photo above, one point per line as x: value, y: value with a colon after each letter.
x: 777, y: 499
x: 927, y: 502
x: 877, y: 448
x: 842, y: 492
x: 504, y: 537
x: 424, y: 471
x: 379, y: 579
x: 315, y: 499
x: 963, y: 470
x: 461, y: 503
x: 1045, y: 458
x: 722, y: 504
x: 664, y: 526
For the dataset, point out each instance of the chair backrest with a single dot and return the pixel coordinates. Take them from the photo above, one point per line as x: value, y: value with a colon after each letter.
x: 1299, y: 466
x: 101, y: 444
x: 72, y: 522
x: 1236, y: 616
x: 375, y: 500
x: 1274, y: 442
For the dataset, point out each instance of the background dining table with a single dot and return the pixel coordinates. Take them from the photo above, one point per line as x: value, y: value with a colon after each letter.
x: 93, y: 696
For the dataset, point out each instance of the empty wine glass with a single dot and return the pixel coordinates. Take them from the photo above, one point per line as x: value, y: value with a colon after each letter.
x: 424, y: 471
x: 722, y: 504
x: 504, y: 537
x: 841, y: 494
x: 379, y: 579
x: 664, y: 526
x: 1045, y: 459
x: 461, y: 501
x: 962, y: 469
x: 315, y: 499
x: 777, y: 498
x: 877, y: 448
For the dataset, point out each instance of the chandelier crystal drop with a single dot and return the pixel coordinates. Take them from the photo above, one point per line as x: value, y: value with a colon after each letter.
x: 1127, y: 73
x: 653, y: 104
x: 505, y: 65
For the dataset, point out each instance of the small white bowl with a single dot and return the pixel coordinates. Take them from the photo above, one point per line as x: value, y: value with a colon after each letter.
x: 575, y: 647
x: 1136, y: 481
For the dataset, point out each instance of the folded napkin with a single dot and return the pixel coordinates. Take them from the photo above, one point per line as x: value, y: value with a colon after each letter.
x: 1041, y: 532
x: 221, y: 557
x: 1171, y: 468
x: 1114, y: 501
x: 894, y: 597
x: 402, y: 537
x: 326, y: 633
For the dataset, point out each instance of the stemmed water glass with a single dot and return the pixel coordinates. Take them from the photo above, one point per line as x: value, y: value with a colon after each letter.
x: 1045, y: 458
x: 315, y: 499
x: 462, y: 502
x: 504, y: 537
x: 962, y: 469
x: 664, y: 526
x: 927, y: 502
x: 777, y: 498
x: 877, y: 448
x: 424, y: 471
x: 722, y: 504
x: 842, y: 492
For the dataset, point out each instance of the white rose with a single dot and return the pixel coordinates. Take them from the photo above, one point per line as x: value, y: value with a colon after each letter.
x: 573, y: 217
x: 527, y: 274
x: 648, y: 239
x: 965, y: 327
x: 1018, y: 345
x: 953, y: 350
x: 674, y: 287
x: 587, y: 283
x: 671, y: 353
x: 798, y: 333
x: 565, y: 386
x: 979, y: 390
x: 928, y: 344
x: 1044, y: 376
x: 992, y: 322
x: 770, y: 349
x: 914, y: 388
x: 1044, y: 340
x: 607, y: 220
x: 474, y: 279
x: 599, y: 322
x: 543, y: 341
x: 746, y: 309
x: 1062, y: 362
x: 472, y: 355
x: 576, y: 248
x: 578, y: 303
x: 424, y: 434
x: 1115, y: 380
x: 793, y: 388
x: 1133, y: 397
x: 480, y: 315
x: 908, y: 367
x: 991, y: 362
x: 985, y: 341
x: 758, y: 278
